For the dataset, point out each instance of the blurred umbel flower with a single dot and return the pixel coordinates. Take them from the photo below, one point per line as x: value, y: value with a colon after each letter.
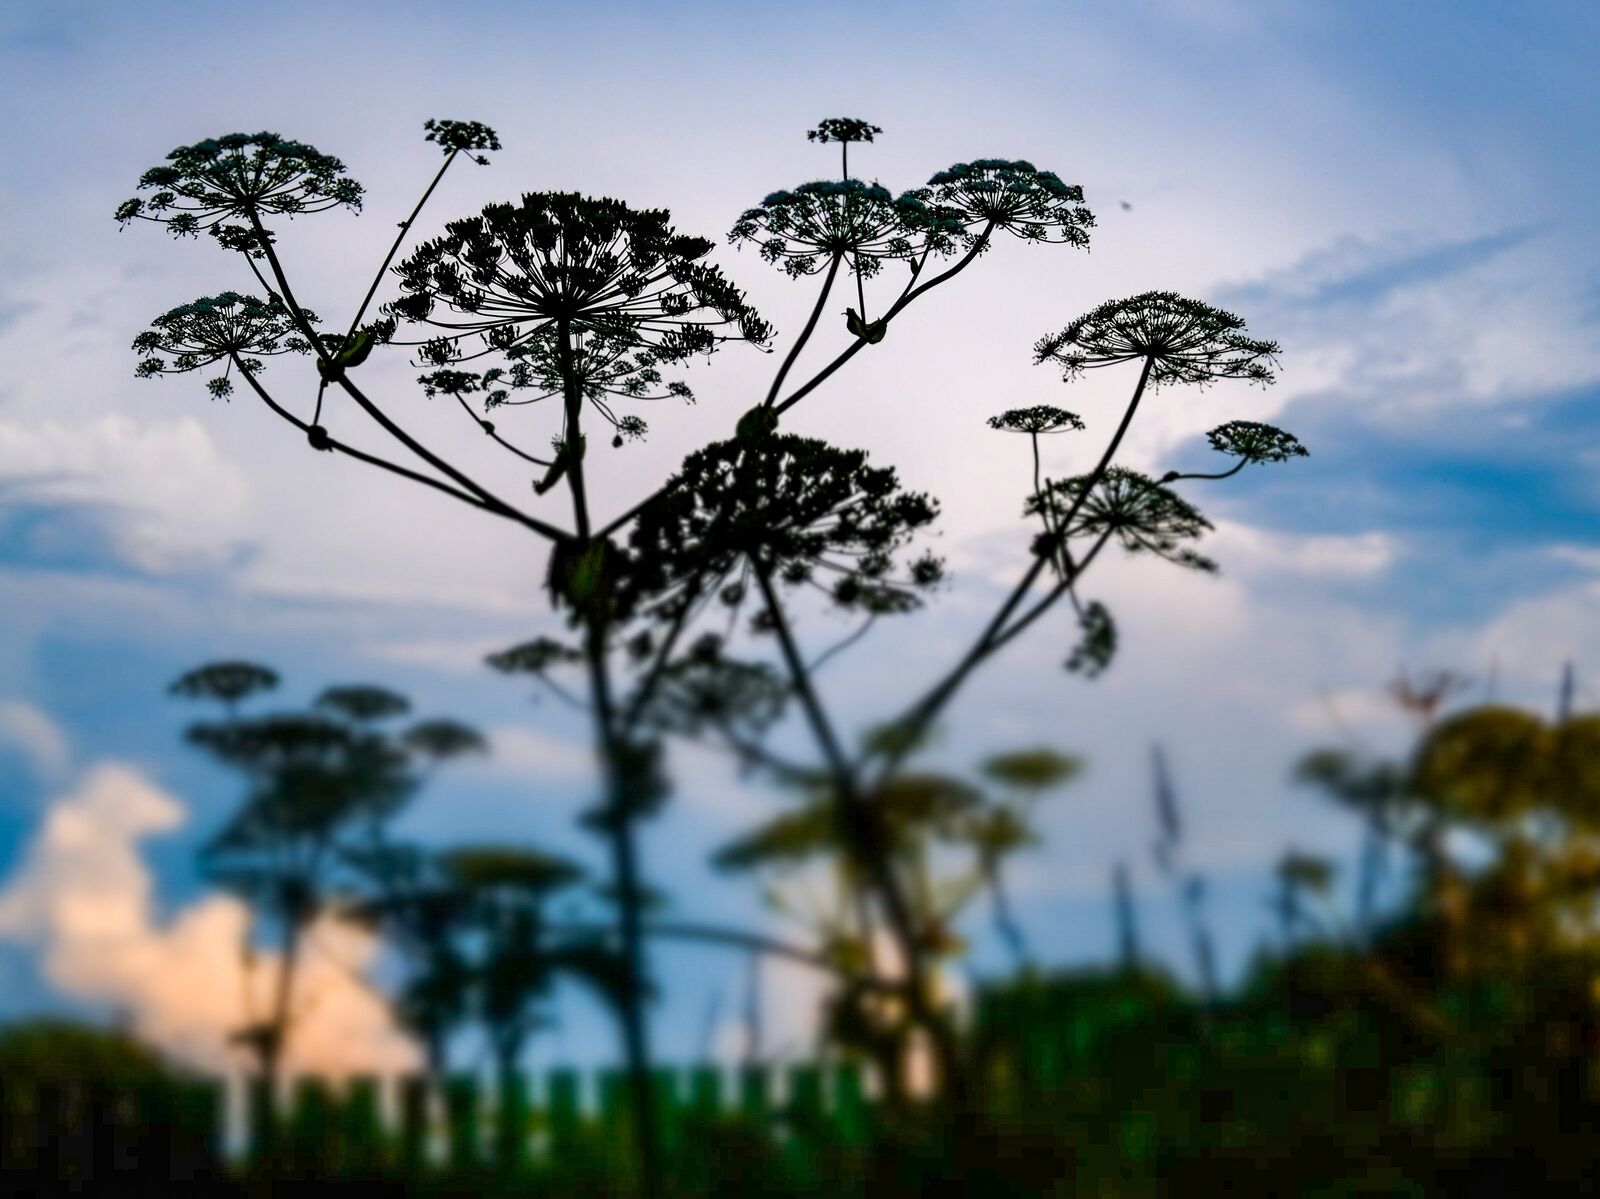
x: 1141, y: 514
x: 792, y: 508
x: 1255, y: 442
x: 843, y: 129
x: 1015, y: 196
x: 462, y: 137
x: 1184, y: 341
x: 217, y: 329
x: 240, y: 175
x: 1041, y: 418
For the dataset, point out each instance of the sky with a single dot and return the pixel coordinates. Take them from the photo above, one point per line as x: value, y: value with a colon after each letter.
x: 1401, y: 195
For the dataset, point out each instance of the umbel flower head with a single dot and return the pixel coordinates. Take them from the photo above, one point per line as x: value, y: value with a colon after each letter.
x: 806, y: 228
x: 1016, y: 196
x: 237, y: 176
x: 462, y: 137
x: 219, y: 329
x: 842, y: 129
x: 793, y: 508
x: 627, y: 288
x: 1184, y: 341
x: 1141, y: 514
x: 607, y: 369
x: 1255, y: 442
x: 1041, y: 418
x: 704, y: 690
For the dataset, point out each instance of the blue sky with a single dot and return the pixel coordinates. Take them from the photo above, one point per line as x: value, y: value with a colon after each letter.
x: 1400, y: 194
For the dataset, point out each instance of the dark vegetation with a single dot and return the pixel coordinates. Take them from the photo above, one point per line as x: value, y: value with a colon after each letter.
x: 1445, y: 1040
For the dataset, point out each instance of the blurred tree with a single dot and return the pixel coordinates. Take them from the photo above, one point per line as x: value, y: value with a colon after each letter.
x: 318, y: 783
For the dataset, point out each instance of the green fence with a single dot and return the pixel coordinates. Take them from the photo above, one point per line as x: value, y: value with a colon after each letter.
x: 368, y: 1126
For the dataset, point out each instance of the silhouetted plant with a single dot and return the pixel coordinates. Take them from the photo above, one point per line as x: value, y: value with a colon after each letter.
x: 1006, y: 825
x: 1375, y: 792
x: 589, y: 299
x: 1190, y: 885
x: 1300, y: 876
x: 239, y: 176
x: 229, y: 328
x: 319, y: 783
x: 1177, y: 340
x: 512, y: 954
x: 788, y: 509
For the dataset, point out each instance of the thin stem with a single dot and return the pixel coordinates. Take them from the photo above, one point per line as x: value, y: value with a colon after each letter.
x: 376, y: 413
x: 572, y: 397
x: 405, y: 227
x: 754, y: 752
x: 1050, y: 597
x: 641, y: 697
x: 372, y: 459
x: 805, y: 333
x: 923, y: 712
x: 625, y: 870
x: 859, y: 817
x: 801, y: 677
x: 484, y: 425
x: 910, y: 294
x: 1173, y: 476
x: 738, y: 939
x: 538, y: 526
x: 844, y: 644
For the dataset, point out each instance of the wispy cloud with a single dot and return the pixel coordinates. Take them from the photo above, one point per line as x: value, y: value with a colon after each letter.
x: 39, y: 739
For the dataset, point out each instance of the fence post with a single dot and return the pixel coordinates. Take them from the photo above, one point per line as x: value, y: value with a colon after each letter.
x: 461, y: 1112
x: 850, y: 1113
x: 204, y: 1106
x: 755, y: 1094
x: 311, y: 1138
x: 804, y: 1107
x: 616, y: 1128
x: 564, y: 1114
x: 16, y: 1121
x: 362, y: 1127
x: 262, y: 1120
x: 59, y: 1133
x: 705, y: 1092
x: 105, y: 1133
x: 669, y: 1112
x: 415, y: 1097
x: 512, y: 1117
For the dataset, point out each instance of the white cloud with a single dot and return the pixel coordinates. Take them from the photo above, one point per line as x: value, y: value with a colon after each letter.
x: 1410, y: 326
x: 82, y: 897
x: 327, y: 590
x: 1261, y: 553
x: 173, y: 498
x: 1586, y: 556
x: 526, y: 752
x: 39, y: 739
x: 1532, y: 639
x: 448, y: 655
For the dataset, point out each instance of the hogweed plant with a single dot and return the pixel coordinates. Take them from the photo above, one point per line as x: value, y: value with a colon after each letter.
x: 594, y: 306
x: 949, y: 839
x: 321, y: 783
